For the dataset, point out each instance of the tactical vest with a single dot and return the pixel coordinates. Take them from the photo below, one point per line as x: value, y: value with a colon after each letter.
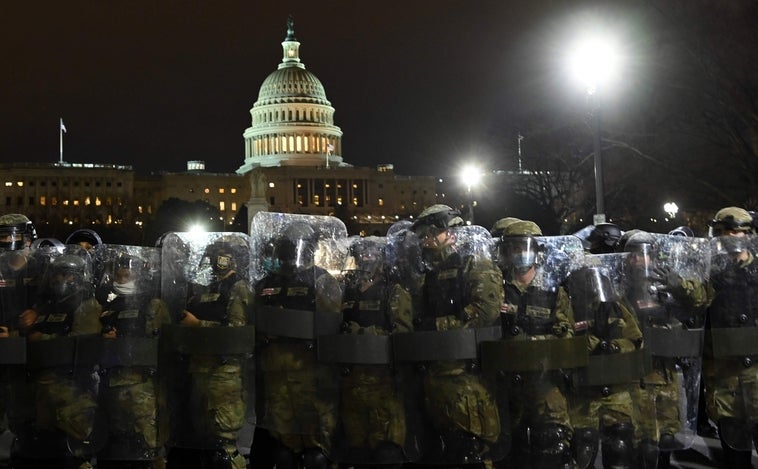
x: 367, y: 308
x: 736, y: 301
x: 126, y: 314
x: 290, y: 291
x: 534, y: 311
x: 445, y: 290
x: 57, y: 318
x: 210, y: 304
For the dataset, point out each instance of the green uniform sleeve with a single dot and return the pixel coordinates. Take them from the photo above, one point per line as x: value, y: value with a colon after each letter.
x: 401, y: 309
x: 564, y: 315
x: 485, y: 281
x: 87, y: 318
x: 328, y: 294
x: 158, y: 315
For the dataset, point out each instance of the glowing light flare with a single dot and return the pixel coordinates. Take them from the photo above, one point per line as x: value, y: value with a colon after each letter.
x: 471, y: 176
x: 595, y: 62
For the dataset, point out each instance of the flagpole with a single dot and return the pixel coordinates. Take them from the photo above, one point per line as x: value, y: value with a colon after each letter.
x: 60, y: 131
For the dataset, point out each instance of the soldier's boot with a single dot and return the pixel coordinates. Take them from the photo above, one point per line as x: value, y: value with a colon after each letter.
x: 285, y: 458
x: 584, y: 446
x: 550, y: 447
x: 314, y: 458
x: 734, y: 443
x: 227, y: 458
x: 650, y: 454
x: 618, y: 447
x: 462, y: 448
x: 388, y: 453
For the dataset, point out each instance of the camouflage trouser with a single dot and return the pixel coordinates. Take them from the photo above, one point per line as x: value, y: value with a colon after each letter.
x: 132, y: 412
x: 589, y: 408
x: 534, y: 399
x: 657, y: 405
x: 298, y: 412
x: 63, y: 405
x: 731, y: 390
x: 462, y: 402
x: 371, y: 408
x: 217, y: 397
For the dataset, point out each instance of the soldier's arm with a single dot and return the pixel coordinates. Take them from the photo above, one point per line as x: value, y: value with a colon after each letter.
x: 564, y: 315
x: 401, y: 309
x: 87, y: 318
x: 328, y: 294
x: 629, y: 335
x: 485, y: 282
x: 158, y: 314
x: 240, y: 304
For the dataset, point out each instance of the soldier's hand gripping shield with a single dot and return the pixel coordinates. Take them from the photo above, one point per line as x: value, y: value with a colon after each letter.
x: 128, y: 289
x: 206, y: 353
x: 297, y: 302
x: 731, y: 349
x: 459, y: 307
x: 372, y: 427
x: 62, y: 331
x: 664, y: 283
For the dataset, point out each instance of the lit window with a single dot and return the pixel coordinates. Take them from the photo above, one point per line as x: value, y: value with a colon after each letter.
x: 355, y: 200
x: 233, y: 190
x: 207, y: 190
x: 76, y: 202
x: 54, y: 200
x: 315, y: 199
x: 139, y: 209
x: 42, y: 200
x: 220, y: 190
x: 8, y: 184
x: 222, y: 206
x: 98, y: 202
x: 20, y: 183
x: 299, y: 143
x: 87, y: 201
x: 381, y: 202
x: 65, y: 202
x: 234, y: 206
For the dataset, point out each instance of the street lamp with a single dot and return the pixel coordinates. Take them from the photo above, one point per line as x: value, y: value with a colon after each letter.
x: 471, y: 176
x: 671, y: 208
x: 595, y: 62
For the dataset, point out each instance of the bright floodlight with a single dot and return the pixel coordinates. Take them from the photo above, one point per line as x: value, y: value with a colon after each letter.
x: 471, y: 176
x: 671, y: 209
x: 595, y: 61
x: 196, y: 228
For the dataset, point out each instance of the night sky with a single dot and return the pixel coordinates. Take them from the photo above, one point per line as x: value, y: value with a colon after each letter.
x: 423, y: 84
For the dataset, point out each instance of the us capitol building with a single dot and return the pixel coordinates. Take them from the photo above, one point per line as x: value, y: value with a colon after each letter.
x: 293, y: 163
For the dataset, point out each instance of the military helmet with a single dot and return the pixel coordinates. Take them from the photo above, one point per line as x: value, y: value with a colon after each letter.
x: 228, y: 252
x: 731, y: 219
x: 296, y: 247
x: 437, y: 216
x: 500, y: 225
x: 84, y: 235
x: 522, y: 228
x: 399, y: 226
x: 368, y: 253
x: 604, y: 237
x: 683, y: 230
x: 19, y: 231
x: 68, y: 274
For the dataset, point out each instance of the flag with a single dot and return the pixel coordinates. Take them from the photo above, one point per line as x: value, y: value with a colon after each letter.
x: 330, y: 147
x: 63, y: 126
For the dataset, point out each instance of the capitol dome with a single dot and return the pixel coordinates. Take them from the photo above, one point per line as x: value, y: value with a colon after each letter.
x: 292, y: 120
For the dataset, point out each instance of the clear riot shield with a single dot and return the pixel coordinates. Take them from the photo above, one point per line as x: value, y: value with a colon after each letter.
x: 372, y: 427
x: 602, y: 395
x: 298, y: 299
x: 55, y: 408
x: 205, y: 353
x: 538, y: 347
x: 664, y: 280
x: 133, y: 315
x: 461, y: 418
x: 730, y: 372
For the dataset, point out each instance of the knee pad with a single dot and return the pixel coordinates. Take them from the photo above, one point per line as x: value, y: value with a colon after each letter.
x: 584, y: 446
x: 314, y: 458
x: 550, y: 446
x: 618, y: 446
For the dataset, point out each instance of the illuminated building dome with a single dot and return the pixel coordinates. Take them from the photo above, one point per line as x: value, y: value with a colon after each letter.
x: 292, y: 120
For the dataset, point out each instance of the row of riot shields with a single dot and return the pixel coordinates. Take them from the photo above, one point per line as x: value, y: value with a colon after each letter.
x: 313, y: 338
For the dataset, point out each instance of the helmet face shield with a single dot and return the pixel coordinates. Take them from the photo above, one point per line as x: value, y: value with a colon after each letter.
x: 519, y: 252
